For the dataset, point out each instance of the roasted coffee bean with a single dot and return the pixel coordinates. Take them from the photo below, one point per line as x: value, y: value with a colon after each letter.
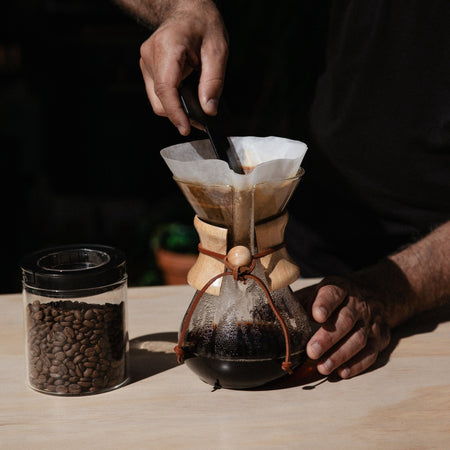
x: 61, y: 389
x: 98, y: 382
x: 38, y: 315
x: 90, y: 351
x: 70, y: 352
x: 74, y: 388
x: 90, y: 364
x: 78, y: 371
x: 78, y: 358
x: 68, y: 331
x: 60, y: 356
x: 75, y: 348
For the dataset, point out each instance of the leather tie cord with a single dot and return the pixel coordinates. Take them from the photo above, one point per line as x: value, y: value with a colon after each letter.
x: 241, y: 273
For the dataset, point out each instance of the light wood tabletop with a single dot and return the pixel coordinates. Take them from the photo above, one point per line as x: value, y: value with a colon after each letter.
x: 403, y: 403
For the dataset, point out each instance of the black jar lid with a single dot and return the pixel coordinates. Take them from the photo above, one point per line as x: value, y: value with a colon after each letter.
x: 73, y: 268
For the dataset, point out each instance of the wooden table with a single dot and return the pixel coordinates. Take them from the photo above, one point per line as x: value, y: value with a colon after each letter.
x: 404, y: 403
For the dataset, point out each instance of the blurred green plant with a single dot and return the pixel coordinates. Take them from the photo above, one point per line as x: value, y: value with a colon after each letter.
x: 175, y: 236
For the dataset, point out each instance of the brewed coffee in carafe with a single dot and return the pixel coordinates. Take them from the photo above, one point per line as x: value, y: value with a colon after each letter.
x: 244, y: 327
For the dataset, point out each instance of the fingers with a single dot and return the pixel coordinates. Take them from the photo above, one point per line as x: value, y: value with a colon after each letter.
x: 328, y: 298
x: 172, y: 52
x: 214, y: 60
x: 333, y: 331
x: 162, y: 80
x: 368, y: 355
x: 348, y: 347
x: 350, y: 337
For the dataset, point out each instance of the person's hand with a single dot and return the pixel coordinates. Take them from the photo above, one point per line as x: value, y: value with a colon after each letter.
x: 357, y: 312
x: 352, y: 331
x: 191, y: 37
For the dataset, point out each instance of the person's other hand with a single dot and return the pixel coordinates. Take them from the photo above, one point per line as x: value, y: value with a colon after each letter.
x: 357, y: 312
x: 352, y: 331
x: 191, y: 37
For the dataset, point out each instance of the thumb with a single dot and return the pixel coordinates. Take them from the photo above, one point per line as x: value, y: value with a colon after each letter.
x: 212, y: 80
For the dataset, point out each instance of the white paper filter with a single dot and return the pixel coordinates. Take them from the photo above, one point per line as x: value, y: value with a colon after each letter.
x: 273, y: 158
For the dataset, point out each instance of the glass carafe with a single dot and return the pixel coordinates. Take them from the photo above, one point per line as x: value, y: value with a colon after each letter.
x: 244, y: 327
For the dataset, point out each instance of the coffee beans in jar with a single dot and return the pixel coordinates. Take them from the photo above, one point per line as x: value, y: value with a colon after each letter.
x: 75, y: 319
x: 75, y: 347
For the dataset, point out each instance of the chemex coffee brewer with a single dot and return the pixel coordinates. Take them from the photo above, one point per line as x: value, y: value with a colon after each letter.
x: 244, y: 327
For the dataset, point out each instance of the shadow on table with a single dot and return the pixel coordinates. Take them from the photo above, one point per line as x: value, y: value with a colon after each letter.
x: 151, y: 354
x: 425, y: 322
x: 308, y: 376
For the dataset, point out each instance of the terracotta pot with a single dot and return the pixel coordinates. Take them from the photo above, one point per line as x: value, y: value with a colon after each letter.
x: 174, y: 266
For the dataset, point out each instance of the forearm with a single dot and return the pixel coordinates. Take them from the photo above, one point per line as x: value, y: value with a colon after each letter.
x: 154, y: 12
x: 426, y: 265
x: 414, y: 279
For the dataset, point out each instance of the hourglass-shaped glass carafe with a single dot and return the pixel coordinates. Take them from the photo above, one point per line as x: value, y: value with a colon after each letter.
x: 244, y: 327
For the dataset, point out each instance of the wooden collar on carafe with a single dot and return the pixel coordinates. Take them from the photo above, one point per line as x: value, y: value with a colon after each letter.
x: 279, y: 269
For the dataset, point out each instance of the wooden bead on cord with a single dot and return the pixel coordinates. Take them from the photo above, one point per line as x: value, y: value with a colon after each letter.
x: 239, y: 256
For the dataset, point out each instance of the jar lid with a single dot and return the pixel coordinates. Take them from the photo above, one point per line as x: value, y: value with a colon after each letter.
x: 73, y: 267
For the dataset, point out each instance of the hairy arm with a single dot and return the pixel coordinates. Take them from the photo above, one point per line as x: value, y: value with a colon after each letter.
x: 154, y: 12
x: 426, y: 268
x: 357, y: 312
x: 150, y: 12
x: 413, y: 280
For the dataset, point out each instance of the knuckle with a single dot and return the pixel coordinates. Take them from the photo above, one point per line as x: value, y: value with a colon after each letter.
x: 220, y: 50
x: 361, y: 338
x: 159, y: 110
x: 363, y: 364
x: 370, y: 360
x: 161, y: 88
x: 347, y: 319
x: 381, y: 333
x: 335, y: 292
x: 331, y: 295
x: 145, y: 48
x: 213, y: 84
x: 216, y: 45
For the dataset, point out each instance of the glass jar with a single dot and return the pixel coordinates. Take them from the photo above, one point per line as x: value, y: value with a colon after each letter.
x: 75, y: 319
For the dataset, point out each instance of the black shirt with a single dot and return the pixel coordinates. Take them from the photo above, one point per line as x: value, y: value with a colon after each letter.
x: 378, y: 166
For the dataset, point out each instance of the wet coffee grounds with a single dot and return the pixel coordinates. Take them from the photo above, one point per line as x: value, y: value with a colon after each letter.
x: 75, y: 347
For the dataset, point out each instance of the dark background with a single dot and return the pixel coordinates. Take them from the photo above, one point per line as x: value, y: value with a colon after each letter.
x: 79, y: 143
